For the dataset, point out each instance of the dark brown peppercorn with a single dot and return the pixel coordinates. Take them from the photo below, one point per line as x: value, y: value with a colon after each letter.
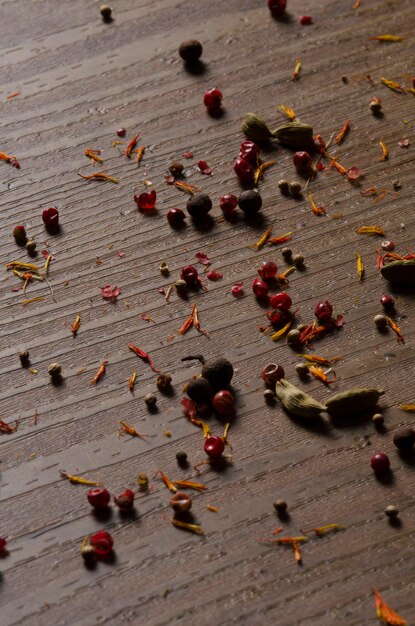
x: 181, y: 458
x: 31, y: 246
x: 24, y: 357
x: 163, y: 381
x: 298, y: 260
x: 106, y: 12
x: 280, y: 506
x: 200, y: 391
x: 287, y: 253
x: 250, y: 201
x: 283, y: 186
x: 19, y: 234
x: 151, y: 400
x: 176, y: 168
x: 199, y: 205
x: 294, y: 188
x: 404, y: 439
x: 392, y: 511
x: 218, y: 372
x: 190, y: 50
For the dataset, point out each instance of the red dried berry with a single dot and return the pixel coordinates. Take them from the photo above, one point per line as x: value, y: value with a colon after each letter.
x: 50, y: 217
x: 387, y: 301
x: 125, y: 501
x: 175, y: 217
x: 277, y: 318
x: 306, y: 20
x: 249, y: 151
x: 3, y: 544
x: 102, y: 542
x: 228, y: 203
x: 319, y: 143
x: 213, y: 100
x: 323, y: 311
x: 281, y: 301
x: 190, y: 275
x: 98, y: 497
x: 237, y: 290
x: 277, y: 7
x: 260, y: 288
x: 380, y: 463
x: 244, y: 171
x: 268, y: 270
x: 121, y: 132
x: 223, y: 402
x: 19, y: 233
x: 214, y: 447
x: 301, y: 160
x: 146, y: 201
x: 388, y: 245
x: 272, y: 373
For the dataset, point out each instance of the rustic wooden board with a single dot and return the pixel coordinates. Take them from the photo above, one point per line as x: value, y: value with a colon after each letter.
x: 81, y: 79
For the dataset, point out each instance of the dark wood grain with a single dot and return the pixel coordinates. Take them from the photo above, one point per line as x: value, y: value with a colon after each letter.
x: 80, y: 80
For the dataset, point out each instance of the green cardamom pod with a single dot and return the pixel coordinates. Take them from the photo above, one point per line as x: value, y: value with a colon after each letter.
x: 400, y: 272
x: 255, y: 129
x: 347, y: 403
x: 296, y: 401
x: 292, y: 135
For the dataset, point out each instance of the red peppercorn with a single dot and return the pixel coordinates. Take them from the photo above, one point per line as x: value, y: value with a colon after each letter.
x: 387, y: 301
x: 213, y: 100
x: 277, y: 318
x: 272, y: 373
x: 388, y: 245
x: 125, y: 501
x: 50, y: 217
x: 306, y: 20
x: 102, y: 542
x: 260, y: 288
x: 237, y: 290
x: 121, y: 132
x: 277, y: 7
x: 281, y: 301
x: 244, y: 171
x: 146, y: 201
x: 319, y: 143
x: 214, y: 446
x: 19, y: 233
x: 3, y: 544
x: 268, y: 270
x: 249, y: 151
x: 228, y: 203
x: 380, y: 463
x: 223, y: 402
x: 190, y: 275
x: 98, y: 497
x: 301, y: 160
x: 323, y: 311
x: 175, y: 217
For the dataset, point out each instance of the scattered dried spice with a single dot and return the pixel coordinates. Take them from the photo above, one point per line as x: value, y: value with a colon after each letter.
x: 274, y: 241
x: 10, y: 159
x: 93, y: 155
x: 75, y: 326
x: 190, y: 189
x: 385, y: 151
x: 288, y: 112
x: 402, y: 143
x: 319, y: 373
x: 409, y: 408
x: 343, y: 132
x: 214, y: 275
x: 320, y: 531
x: 317, y: 210
x: 100, y: 176
x: 297, y: 70
x: 387, y: 38
x: 360, y: 267
x: 7, y: 428
x: 279, y: 334
x: 203, y: 258
x: 392, y: 85
x: 259, y: 172
x: 385, y: 613
x: 78, y: 480
x: 263, y: 240
x: 334, y: 164
x: 213, y: 509
x: 100, y: 373
x: 189, y: 484
x: 143, y: 356
x: 130, y: 430
x: 396, y: 329
x: 370, y: 230
x: 131, y: 381
x: 131, y: 145
x: 166, y: 481
x: 193, y: 528
x: 204, y: 168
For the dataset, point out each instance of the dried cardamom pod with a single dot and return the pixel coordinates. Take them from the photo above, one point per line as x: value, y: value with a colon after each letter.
x: 400, y: 272
x: 292, y: 135
x: 296, y: 401
x: 353, y: 401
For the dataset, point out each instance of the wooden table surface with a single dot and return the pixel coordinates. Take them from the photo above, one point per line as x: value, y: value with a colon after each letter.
x: 80, y: 79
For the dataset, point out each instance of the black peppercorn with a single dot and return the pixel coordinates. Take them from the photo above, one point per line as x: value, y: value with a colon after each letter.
x: 24, y: 357
x: 190, y: 50
x: 280, y: 506
x: 250, y: 201
x: 199, y: 205
x: 163, y: 381
x: 176, y: 168
x: 200, y: 391
x: 404, y: 439
x: 181, y: 458
x: 106, y: 12
x: 218, y: 372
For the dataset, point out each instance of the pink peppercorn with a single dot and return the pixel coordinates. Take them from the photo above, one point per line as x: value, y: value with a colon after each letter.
x: 50, y: 217
x: 125, y: 501
x: 277, y: 318
x: 301, y: 160
x: 102, y: 542
x: 277, y: 7
x: 281, y: 301
x: 272, y: 373
x: 223, y: 402
x: 244, y: 171
x: 260, y: 288
x: 380, y: 463
x: 3, y: 544
x: 146, y: 201
x: 190, y: 275
x: 98, y: 497
x: 249, y: 151
x: 268, y: 270
x: 175, y: 217
x: 121, y: 132
x: 323, y: 311
x: 306, y: 20
x: 213, y: 100
x: 387, y: 301
x: 228, y: 203
x: 237, y: 290
x: 214, y: 447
